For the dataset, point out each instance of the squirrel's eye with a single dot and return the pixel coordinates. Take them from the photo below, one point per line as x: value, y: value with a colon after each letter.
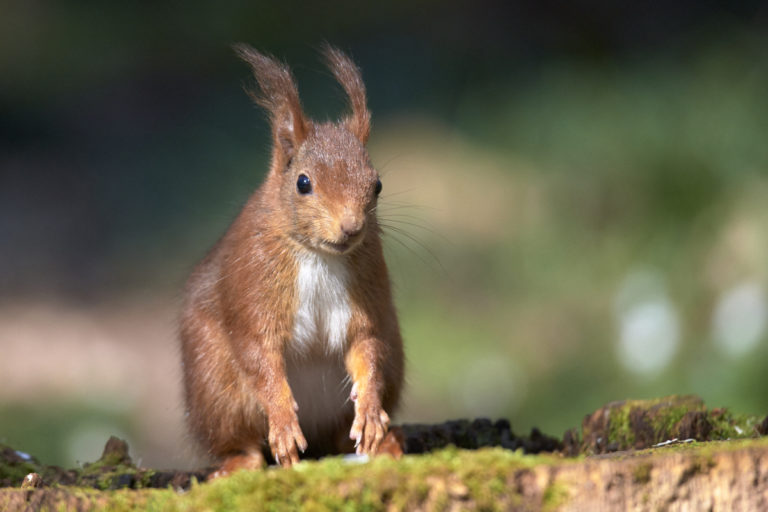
x: 303, y: 184
x: 377, y: 190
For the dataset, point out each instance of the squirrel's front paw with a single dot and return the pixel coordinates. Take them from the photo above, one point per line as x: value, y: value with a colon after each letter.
x: 370, y: 426
x: 286, y: 439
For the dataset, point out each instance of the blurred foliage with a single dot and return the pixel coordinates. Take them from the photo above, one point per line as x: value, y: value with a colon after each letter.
x: 554, y: 150
x: 63, y: 433
x: 646, y: 164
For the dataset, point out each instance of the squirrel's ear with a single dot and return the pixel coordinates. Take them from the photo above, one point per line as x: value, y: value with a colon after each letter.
x: 348, y: 75
x: 279, y: 96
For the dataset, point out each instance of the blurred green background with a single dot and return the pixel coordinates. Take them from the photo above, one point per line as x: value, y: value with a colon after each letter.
x: 576, y: 195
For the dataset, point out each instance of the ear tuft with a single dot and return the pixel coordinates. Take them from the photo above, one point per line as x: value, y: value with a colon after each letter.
x: 279, y: 96
x: 348, y: 75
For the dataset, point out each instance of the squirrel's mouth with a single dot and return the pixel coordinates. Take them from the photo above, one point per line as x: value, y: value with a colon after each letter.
x: 340, y: 247
x: 336, y: 247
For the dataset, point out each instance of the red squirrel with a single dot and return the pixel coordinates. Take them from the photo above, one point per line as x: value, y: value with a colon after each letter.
x: 289, y: 336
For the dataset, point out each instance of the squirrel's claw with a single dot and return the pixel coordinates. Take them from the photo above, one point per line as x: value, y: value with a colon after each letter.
x: 286, y: 441
x: 369, y: 427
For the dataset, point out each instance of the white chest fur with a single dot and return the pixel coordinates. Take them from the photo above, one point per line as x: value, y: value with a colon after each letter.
x: 323, y: 312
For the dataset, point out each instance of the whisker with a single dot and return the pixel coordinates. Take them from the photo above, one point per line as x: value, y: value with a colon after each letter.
x: 384, y: 166
x: 403, y: 215
x: 399, y: 193
x: 422, y: 227
x: 399, y: 216
x: 391, y: 236
x: 402, y: 205
x: 418, y: 242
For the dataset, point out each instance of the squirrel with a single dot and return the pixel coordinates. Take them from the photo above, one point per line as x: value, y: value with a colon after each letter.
x: 289, y: 336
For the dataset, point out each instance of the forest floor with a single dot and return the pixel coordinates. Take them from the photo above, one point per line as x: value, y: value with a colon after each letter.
x: 672, y: 453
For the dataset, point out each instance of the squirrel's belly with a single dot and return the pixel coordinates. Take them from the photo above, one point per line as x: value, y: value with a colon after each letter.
x: 322, y: 314
x: 315, y: 360
x: 321, y: 389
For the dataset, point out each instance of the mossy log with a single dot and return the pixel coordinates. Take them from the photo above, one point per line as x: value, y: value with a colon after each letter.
x: 706, y: 476
x: 613, y: 474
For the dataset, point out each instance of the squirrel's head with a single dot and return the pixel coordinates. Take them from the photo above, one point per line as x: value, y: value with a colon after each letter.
x: 322, y: 174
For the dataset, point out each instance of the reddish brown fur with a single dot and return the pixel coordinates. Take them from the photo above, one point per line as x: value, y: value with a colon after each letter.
x: 237, y: 322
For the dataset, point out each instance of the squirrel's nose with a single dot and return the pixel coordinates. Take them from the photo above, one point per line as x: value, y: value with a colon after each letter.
x: 352, y: 225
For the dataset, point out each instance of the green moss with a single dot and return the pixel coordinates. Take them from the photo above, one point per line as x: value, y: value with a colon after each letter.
x: 727, y: 425
x: 13, y: 468
x: 555, y: 495
x: 642, y: 473
x: 412, y: 482
x: 15, y: 473
x: 666, y: 421
x: 619, y: 430
x: 482, y: 479
x: 660, y: 419
x: 706, y: 449
x: 103, y: 475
